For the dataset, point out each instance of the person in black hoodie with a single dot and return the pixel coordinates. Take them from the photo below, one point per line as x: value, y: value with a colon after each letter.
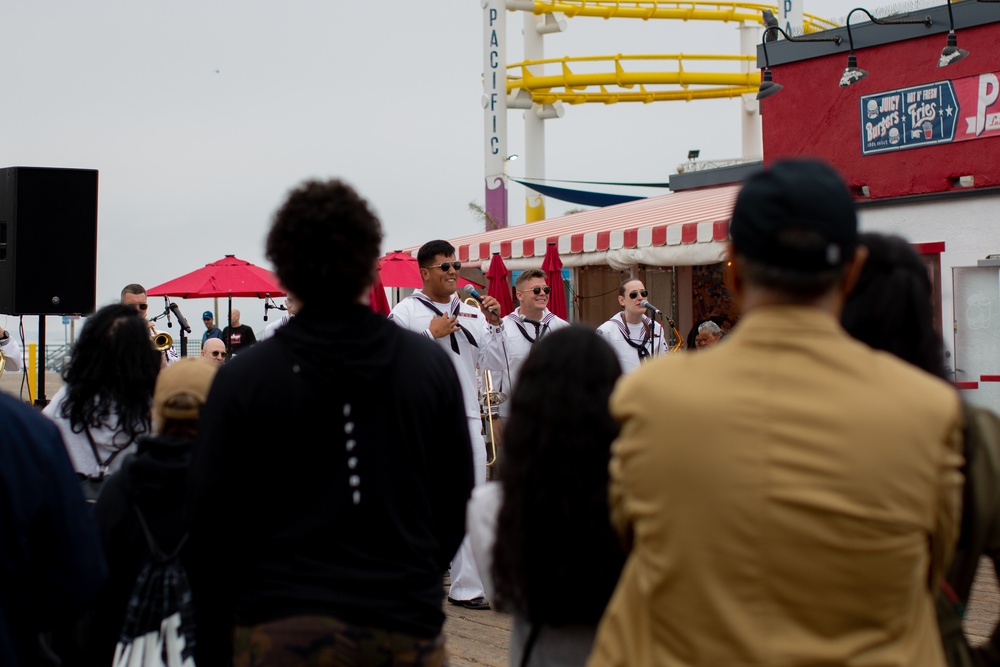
x: 153, y: 479
x: 332, y: 468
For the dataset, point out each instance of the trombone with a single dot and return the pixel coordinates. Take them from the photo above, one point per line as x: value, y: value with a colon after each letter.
x: 491, y: 398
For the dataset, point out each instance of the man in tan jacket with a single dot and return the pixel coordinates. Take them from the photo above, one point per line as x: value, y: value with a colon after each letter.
x: 806, y: 518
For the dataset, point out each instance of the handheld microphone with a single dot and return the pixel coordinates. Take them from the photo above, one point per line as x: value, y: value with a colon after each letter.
x: 471, y: 291
x: 648, y: 306
x: 180, y: 318
x: 267, y: 295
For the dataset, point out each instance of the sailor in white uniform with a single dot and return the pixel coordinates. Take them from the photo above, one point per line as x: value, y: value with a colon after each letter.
x: 634, y: 336
x: 473, y: 337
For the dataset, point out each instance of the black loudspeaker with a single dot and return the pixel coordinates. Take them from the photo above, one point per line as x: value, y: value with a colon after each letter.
x: 48, y: 241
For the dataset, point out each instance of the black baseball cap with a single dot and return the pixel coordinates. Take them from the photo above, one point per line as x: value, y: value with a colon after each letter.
x: 796, y: 214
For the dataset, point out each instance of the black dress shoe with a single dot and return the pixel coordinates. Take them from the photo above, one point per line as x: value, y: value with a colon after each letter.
x: 480, y: 603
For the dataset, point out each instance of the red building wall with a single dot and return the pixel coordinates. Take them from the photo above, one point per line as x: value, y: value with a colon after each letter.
x: 813, y: 116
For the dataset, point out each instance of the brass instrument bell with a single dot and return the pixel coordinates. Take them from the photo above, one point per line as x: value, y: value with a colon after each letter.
x: 162, y: 341
x: 494, y: 398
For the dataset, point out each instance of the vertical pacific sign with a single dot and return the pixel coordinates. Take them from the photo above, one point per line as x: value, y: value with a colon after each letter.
x: 495, y: 110
x: 790, y: 16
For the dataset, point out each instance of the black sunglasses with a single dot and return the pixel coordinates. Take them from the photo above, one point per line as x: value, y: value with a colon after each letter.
x: 444, y: 266
x: 539, y: 290
x: 142, y: 306
x: 216, y: 353
x: 633, y: 294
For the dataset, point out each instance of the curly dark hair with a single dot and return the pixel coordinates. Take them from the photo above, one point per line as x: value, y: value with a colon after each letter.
x: 324, y: 243
x: 557, y: 558
x: 891, y: 306
x: 111, y: 372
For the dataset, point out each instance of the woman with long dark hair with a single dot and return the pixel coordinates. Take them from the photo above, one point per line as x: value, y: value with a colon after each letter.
x: 105, y: 401
x: 556, y: 558
x: 890, y: 307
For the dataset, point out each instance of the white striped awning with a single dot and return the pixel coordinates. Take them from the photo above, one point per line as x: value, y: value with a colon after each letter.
x: 676, y: 229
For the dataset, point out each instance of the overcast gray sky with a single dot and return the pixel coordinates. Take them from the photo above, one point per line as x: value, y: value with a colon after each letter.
x: 200, y: 116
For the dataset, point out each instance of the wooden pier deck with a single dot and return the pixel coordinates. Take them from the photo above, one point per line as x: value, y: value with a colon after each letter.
x: 475, y: 638
x: 481, y: 638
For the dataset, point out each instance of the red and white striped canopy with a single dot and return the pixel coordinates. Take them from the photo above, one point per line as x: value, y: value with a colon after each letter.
x: 677, y: 229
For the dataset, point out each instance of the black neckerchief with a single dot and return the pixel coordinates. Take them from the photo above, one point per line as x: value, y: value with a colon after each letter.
x: 541, y: 327
x: 640, y: 348
x: 454, y: 341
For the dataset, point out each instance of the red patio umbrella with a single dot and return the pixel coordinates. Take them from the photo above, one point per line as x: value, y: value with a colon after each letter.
x: 552, y: 266
x: 229, y: 276
x: 400, y: 269
x: 376, y: 298
x: 499, y: 286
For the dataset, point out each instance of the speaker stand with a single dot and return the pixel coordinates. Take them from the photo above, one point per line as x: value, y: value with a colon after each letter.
x: 40, y: 400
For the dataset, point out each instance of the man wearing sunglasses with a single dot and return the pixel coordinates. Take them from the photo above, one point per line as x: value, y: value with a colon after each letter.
x: 530, y: 321
x: 633, y: 334
x: 472, y: 337
x: 211, y: 329
x: 134, y: 295
x: 214, y: 350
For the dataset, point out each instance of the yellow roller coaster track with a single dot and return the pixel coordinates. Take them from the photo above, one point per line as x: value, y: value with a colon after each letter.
x: 631, y: 86
x: 576, y: 88
x: 651, y: 9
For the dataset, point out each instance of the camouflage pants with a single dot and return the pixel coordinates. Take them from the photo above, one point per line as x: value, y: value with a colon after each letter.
x: 321, y: 641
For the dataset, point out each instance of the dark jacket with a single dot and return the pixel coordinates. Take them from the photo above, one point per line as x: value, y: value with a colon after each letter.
x: 214, y: 332
x: 51, y: 566
x: 154, y: 479
x: 979, y: 539
x: 330, y: 478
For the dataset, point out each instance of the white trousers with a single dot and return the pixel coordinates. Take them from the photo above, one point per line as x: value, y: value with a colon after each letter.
x: 466, y: 583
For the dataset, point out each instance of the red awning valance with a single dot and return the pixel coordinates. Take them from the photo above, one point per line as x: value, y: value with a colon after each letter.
x: 654, y: 231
